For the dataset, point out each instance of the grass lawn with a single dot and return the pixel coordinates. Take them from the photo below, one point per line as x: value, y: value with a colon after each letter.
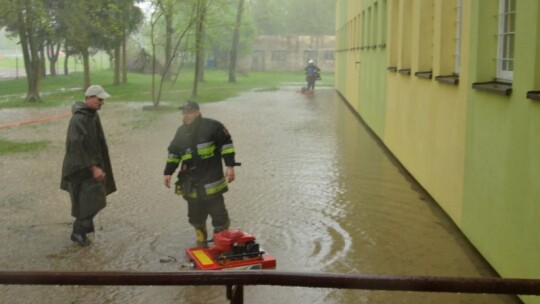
x: 7, y: 146
x: 65, y: 89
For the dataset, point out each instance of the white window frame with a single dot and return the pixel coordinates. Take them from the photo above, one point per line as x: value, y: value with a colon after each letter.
x: 506, y: 41
x: 457, y: 54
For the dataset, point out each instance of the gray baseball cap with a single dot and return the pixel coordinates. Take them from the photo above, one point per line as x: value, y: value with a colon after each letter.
x: 96, y: 90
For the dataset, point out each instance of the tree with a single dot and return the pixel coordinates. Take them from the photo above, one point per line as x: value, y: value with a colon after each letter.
x: 200, y: 38
x: 100, y: 24
x: 131, y: 17
x: 202, y: 8
x: 118, y: 19
x: 188, y: 19
x: 168, y: 8
x: 235, y: 40
x: 26, y: 18
x: 53, y: 33
x: 220, y: 26
x: 156, y: 15
x: 81, y: 31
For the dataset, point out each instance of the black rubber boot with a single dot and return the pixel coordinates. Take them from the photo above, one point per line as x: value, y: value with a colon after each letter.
x: 80, y: 239
x: 79, y: 234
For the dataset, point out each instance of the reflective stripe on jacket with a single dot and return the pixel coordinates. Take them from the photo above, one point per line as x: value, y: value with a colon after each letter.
x: 198, y: 148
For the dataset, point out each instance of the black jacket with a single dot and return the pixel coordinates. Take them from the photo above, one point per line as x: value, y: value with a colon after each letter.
x: 199, y: 147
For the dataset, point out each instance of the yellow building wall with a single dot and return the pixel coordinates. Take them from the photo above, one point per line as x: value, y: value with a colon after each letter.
x: 475, y: 151
x: 355, y: 27
x: 426, y: 119
x: 340, y: 72
x: 349, y: 27
x: 371, y: 63
x: 501, y: 202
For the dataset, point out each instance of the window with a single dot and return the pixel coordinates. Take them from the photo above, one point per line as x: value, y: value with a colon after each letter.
x: 448, y: 52
x: 393, y: 41
x: 424, y: 54
x: 457, y: 55
x: 506, y: 36
x: 365, y: 42
x: 356, y: 39
x: 383, y: 24
x: 369, y: 28
x: 279, y: 55
x: 328, y: 55
x: 405, y: 33
x: 375, y: 25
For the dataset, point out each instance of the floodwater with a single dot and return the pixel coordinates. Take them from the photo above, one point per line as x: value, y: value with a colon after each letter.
x: 314, y: 187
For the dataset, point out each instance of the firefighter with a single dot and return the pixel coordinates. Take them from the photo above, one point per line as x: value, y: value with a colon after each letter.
x: 312, y: 74
x: 198, y: 148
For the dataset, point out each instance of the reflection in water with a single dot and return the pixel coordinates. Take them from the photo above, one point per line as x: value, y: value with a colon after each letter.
x: 331, y: 200
x: 314, y: 187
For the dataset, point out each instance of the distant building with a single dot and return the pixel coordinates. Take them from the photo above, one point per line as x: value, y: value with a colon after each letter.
x: 289, y: 53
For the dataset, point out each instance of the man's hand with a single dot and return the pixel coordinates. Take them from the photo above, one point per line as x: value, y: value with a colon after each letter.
x: 168, y: 181
x: 97, y: 173
x: 229, y: 174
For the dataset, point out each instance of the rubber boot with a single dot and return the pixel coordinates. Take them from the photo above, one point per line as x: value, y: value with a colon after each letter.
x: 79, y: 234
x: 202, y: 235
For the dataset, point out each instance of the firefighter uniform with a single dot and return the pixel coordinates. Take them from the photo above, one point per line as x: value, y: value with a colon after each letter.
x: 198, y: 149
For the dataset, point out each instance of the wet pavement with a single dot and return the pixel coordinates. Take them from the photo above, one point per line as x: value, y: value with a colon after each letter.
x: 314, y: 187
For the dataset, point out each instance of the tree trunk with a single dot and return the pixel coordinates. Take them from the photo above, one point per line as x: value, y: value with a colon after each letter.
x: 155, y: 101
x: 52, y: 54
x: 86, y: 68
x: 66, y: 58
x: 202, y: 59
x: 124, y: 59
x: 201, y: 11
x: 52, y: 66
x: 236, y: 39
x: 168, y: 41
x: 117, y: 61
x: 30, y: 54
x: 43, y: 62
x: 66, y: 67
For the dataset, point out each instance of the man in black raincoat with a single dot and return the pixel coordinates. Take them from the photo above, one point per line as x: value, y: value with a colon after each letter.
x: 87, y: 173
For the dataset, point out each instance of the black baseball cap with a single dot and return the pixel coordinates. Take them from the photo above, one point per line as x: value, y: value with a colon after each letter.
x: 189, y: 105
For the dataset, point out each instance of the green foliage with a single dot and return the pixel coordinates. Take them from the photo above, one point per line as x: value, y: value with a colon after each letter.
x: 182, y: 14
x: 7, y: 146
x: 221, y: 23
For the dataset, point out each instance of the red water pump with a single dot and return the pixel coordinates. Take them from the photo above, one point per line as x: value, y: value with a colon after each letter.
x: 233, y: 248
